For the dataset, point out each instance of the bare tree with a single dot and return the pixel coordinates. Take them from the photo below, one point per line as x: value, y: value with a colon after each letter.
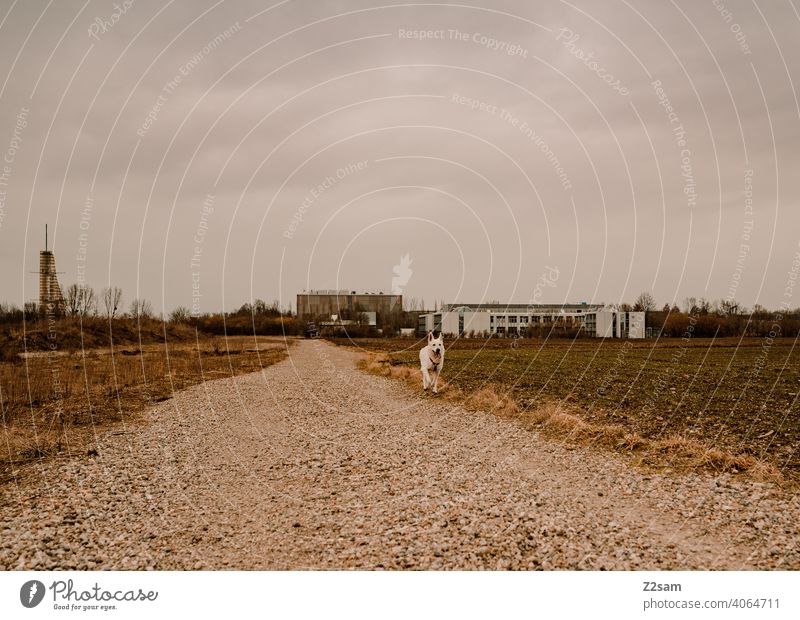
x: 30, y: 310
x: 72, y: 299
x: 760, y: 312
x: 141, y: 309
x: 412, y: 304
x: 644, y: 302
x: 88, y: 301
x: 179, y: 315
x: 112, y: 297
x: 78, y: 299
x: 729, y: 306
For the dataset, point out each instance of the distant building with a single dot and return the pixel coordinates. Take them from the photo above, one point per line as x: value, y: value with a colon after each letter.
x: 512, y: 319
x: 347, y: 305
x: 50, y: 296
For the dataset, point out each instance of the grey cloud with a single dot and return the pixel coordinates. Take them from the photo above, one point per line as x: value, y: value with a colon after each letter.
x: 384, y: 85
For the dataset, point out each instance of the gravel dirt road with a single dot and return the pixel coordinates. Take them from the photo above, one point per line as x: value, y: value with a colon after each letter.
x: 312, y: 464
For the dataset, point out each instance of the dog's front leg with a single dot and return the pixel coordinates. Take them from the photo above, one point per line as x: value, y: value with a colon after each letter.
x: 426, y: 378
x: 435, y: 381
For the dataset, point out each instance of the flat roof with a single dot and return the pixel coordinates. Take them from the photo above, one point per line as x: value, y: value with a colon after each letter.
x: 348, y: 292
x: 541, y: 309
x: 492, y: 306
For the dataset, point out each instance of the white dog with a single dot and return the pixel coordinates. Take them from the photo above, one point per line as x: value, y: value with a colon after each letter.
x: 431, y: 361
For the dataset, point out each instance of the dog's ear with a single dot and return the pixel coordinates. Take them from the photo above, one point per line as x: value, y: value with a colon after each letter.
x: 430, y: 336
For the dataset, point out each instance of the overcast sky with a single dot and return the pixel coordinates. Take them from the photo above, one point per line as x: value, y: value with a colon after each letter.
x: 304, y: 144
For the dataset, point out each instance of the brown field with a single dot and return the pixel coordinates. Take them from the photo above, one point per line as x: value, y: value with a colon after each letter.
x: 55, y: 404
x: 728, y: 403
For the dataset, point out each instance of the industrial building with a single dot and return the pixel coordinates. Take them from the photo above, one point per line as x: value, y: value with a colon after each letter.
x: 347, y: 305
x: 514, y: 319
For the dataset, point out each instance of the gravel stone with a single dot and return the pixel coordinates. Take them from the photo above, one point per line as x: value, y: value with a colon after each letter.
x: 312, y: 464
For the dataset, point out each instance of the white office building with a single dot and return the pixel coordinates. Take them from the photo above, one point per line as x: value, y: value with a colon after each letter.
x: 505, y: 320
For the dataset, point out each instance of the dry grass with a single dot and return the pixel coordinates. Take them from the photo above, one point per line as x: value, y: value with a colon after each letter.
x: 733, y: 395
x: 563, y: 422
x: 57, y: 404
